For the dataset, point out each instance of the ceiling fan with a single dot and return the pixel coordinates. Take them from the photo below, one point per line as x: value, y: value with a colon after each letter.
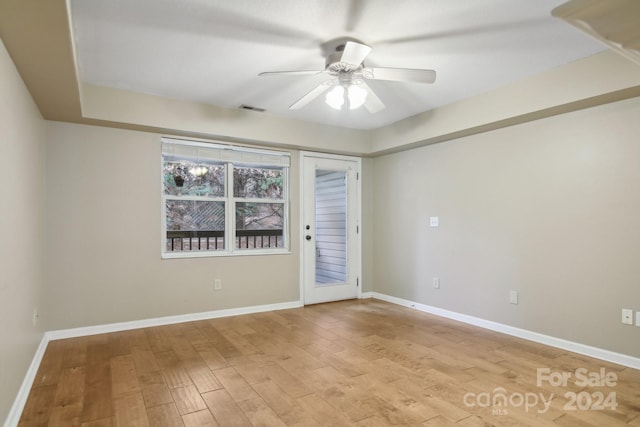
x: 345, y: 65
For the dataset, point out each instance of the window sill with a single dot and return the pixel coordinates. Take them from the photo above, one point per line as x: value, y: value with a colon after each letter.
x: 211, y: 254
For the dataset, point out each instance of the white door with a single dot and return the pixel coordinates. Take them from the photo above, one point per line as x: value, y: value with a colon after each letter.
x: 331, y: 222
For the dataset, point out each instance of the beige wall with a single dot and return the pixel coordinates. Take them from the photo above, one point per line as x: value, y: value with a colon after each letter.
x: 103, y: 241
x: 21, y: 227
x: 549, y: 208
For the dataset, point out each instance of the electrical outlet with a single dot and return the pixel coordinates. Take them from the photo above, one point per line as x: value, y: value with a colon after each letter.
x: 436, y: 283
x: 637, y: 318
x: 35, y: 317
x: 627, y: 316
x: 433, y: 221
x: 217, y: 285
x: 513, y: 297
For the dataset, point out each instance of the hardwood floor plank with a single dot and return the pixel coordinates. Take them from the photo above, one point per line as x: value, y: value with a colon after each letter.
x: 239, y: 342
x: 130, y: 410
x: 158, y: 339
x: 202, y: 377
x: 341, y: 392
x: 287, y: 382
x: 322, y: 412
x: 75, y: 353
x: 144, y: 360
x: 235, y: 384
x: 154, y: 389
x: 97, y: 399
x: 211, y: 356
x: 221, y: 344
x: 173, y: 370
x: 199, y: 419
x: 38, y: 407
x: 119, y: 343
x: 105, y: 422
x: 224, y: 409
x: 253, y: 372
x: 187, y: 399
x: 124, y: 378
x: 164, y: 416
x: 259, y: 413
x: 391, y: 402
x: 328, y: 358
x: 183, y: 349
x: 276, y: 398
x: 67, y: 406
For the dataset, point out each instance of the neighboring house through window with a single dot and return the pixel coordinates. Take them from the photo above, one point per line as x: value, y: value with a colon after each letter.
x: 222, y: 199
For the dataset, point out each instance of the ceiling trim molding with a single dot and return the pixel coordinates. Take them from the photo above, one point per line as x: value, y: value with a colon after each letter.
x: 612, y: 22
x: 598, y: 79
x: 38, y: 38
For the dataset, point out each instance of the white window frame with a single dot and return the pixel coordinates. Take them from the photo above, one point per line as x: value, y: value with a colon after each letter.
x: 241, y: 157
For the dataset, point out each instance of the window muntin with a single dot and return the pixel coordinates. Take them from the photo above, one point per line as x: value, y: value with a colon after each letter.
x: 212, y: 192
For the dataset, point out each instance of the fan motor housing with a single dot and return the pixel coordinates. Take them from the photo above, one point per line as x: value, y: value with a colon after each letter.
x: 334, y: 66
x: 332, y: 51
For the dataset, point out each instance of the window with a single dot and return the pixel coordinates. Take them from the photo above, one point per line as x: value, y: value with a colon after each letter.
x: 222, y: 200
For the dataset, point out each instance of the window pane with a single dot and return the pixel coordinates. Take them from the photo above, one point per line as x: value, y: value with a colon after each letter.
x: 194, y: 225
x: 258, y: 183
x: 185, y: 178
x: 259, y: 225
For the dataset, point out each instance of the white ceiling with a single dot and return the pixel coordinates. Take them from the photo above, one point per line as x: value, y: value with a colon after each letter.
x: 211, y: 51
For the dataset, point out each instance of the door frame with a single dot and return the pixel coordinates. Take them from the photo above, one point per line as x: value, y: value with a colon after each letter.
x: 358, y: 240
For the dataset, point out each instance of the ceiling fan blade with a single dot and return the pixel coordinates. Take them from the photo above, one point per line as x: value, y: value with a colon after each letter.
x: 311, y: 95
x: 354, y: 53
x: 290, y: 73
x: 356, y: 8
x: 373, y: 104
x: 400, y: 74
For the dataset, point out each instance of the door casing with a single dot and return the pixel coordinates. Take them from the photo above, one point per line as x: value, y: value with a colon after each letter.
x: 355, y: 264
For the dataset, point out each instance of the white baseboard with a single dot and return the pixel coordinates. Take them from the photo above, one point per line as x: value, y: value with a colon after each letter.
x: 366, y: 295
x: 27, y: 383
x: 168, y: 320
x: 23, y: 393
x: 598, y: 353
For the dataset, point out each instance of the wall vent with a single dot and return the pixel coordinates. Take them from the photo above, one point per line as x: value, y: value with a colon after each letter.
x: 252, y: 108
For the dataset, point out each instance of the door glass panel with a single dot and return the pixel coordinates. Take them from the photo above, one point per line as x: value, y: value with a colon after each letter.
x: 331, y: 227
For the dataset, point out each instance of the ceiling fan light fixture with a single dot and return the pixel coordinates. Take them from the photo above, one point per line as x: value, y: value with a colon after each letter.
x: 357, y: 96
x: 337, y: 97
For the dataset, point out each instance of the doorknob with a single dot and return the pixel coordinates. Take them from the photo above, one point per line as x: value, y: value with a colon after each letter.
x: 307, y: 227
x: 308, y: 237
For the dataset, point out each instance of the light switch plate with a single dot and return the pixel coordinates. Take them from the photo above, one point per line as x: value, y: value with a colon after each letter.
x: 627, y: 316
x: 513, y: 297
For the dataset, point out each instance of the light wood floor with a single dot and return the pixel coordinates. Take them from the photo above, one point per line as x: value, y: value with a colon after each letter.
x: 363, y: 363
